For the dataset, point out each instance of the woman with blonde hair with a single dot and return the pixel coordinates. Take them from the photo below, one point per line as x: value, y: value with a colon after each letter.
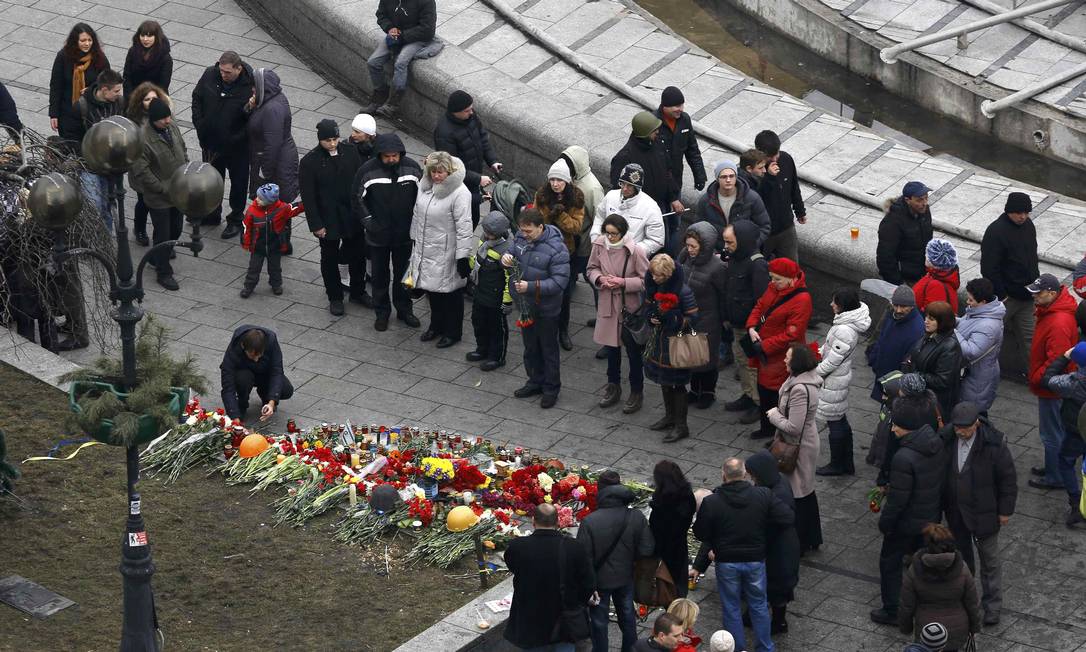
x: 441, y: 229
x: 686, y: 611
x: 138, y: 100
x: 672, y: 308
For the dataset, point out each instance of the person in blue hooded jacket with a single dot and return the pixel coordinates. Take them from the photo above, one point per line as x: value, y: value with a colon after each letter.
x: 539, y: 261
x: 896, y: 337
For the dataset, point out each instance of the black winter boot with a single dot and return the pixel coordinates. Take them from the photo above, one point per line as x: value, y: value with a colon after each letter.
x: 668, y: 419
x: 380, y: 96
x: 840, y: 457
x: 679, y: 406
x: 779, y: 624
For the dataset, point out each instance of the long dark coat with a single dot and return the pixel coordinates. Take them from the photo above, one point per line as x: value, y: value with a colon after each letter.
x: 273, y: 156
x: 61, y: 102
x: 326, y: 183
x: 708, y: 278
x: 938, y: 588
x: 670, y: 523
x: 782, y: 548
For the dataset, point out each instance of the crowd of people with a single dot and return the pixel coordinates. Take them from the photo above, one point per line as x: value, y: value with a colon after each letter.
x: 723, y: 275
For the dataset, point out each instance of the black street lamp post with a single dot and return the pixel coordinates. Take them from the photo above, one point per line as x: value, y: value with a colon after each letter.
x: 110, y: 147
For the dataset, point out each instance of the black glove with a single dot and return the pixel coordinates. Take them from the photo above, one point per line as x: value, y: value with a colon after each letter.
x: 462, y: 267
x: 559, y: 209
x: 699, y: 185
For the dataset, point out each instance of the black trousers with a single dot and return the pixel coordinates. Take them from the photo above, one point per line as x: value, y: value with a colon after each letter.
x: 567, y: 297
x: 348, y: 250
x: 767, y: 399
x: 235, y: 163
x: 244, y: 382
x: 808, y: 523
x: 139, y: 217
x: 167, y: 226
x: 491, y: 331
x: 891, y: 565
x: 541, y: 359
x: 380, y: 259
x: 256, y: 264
x: 447, y: 313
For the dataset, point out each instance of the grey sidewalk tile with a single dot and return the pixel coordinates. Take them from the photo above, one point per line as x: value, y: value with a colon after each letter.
x: 410, y: 407
x: 186, y: 15
x: 391, y: 380
x: 450, y: 394
x: 460, y: 420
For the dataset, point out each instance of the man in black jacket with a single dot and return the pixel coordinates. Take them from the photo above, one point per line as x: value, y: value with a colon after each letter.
x: 542, y: 563
x: 747, y: 280
x: 904, y: 232
x: 253, y: 359
x: 1008, y: 258
x: 461, y: 133
x: 325, y: 175
x: 9, y: 113
x: 783, y: 200
x: 383, y: 194
x: 735, y: 521
x: 913, y: 499
x: 614, y: 537
x: 645, y: 148
x: 409, y: 26
x: 678, y: 138
x: 100, y: 100
x: 219, y: 113
x: 981, y: 490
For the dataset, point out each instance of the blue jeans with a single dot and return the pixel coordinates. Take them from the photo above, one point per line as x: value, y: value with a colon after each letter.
x: 96, y: 188
x: 736, y: 581
x: 1059, y: 469
x: 627, y: 617
x: 376, y: 64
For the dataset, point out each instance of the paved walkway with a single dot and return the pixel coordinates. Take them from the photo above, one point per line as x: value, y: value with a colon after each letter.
x: 1007, y: 55
x: 344, y: 369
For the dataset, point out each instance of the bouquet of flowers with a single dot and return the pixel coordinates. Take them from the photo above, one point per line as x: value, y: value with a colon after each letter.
x: 875, y: 498
x: 469, y: 477
x: 525, y: 320
x: 438, y: 469
x: 365, y: 524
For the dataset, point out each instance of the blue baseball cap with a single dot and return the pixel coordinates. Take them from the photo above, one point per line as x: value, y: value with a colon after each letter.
x: 915, y: 189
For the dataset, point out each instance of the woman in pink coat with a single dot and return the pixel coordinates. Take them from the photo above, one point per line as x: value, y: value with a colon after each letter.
x: 616, y: 268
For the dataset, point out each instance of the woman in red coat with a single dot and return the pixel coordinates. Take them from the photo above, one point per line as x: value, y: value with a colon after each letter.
x: 779, y: 318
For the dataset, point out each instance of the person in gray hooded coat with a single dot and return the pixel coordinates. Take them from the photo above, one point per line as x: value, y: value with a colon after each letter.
x: 980, y: 334
x: 707, y: 277
x: 441, y: 230
x: 273, y: 156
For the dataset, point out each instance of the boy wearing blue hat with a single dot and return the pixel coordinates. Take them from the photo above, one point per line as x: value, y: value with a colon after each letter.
x: 265, y: 220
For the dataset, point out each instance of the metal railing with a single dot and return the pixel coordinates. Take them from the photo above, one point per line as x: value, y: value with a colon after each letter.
x: 890, y: 54
x: 990, y: 107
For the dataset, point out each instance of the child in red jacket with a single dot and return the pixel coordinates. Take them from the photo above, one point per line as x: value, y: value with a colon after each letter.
x: 941, y: 282
x: 265, y: 220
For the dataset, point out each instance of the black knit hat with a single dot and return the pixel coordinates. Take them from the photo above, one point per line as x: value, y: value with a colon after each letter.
x: 458, y: 101
x: 672, y: 97
x: 910, y: 412
x: 1018, y: 202
x: 158, y: 110
x: 326, y: 129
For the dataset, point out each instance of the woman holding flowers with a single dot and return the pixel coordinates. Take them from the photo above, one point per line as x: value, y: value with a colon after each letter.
x: 672, y: 308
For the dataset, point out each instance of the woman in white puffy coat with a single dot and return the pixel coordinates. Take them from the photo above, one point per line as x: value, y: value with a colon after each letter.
x: 441, y: 230
x: 851, y: 319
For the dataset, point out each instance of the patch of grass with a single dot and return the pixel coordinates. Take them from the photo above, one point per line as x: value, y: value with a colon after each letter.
x: 225, y: 578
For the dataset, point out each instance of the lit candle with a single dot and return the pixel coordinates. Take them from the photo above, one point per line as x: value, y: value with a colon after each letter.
x: 354, y: 495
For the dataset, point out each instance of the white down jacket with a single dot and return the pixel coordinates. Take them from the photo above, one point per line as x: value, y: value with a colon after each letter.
x: 441, y: 229
x: 836, y: 365
x: 642, y: 215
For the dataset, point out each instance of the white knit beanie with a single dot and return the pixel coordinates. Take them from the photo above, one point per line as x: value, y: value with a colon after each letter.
x: 560, y: 171
x: 365, y: 123
x: 722, y: 641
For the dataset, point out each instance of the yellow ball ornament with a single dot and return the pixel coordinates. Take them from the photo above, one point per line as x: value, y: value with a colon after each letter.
x: 460, y: 519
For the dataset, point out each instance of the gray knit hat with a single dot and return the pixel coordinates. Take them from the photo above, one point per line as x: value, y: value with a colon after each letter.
x: 941, y: 254
x: 496, y: 223
x: 903, y: 296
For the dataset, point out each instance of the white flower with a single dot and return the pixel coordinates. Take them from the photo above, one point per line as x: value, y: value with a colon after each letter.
x: 191, y: 421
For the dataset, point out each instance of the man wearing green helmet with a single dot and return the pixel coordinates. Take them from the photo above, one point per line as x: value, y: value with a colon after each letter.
x: 644, y: 148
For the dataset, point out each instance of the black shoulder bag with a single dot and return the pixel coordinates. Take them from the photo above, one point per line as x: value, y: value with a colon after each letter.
x: 636, y: 322
x: 572, y: 625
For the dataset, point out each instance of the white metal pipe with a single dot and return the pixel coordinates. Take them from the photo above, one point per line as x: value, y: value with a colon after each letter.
x: 989, y: 108
x: 1039, y: 29
x: 639, y: 96
x: 890, y: 54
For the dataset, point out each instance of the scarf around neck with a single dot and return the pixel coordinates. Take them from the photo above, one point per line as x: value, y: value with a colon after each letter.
x: 79, y: 76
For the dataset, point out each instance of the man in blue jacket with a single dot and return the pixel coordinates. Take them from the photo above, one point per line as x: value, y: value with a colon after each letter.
x: 896, y: 337
x: 540, y: 272
x: 253, y: 359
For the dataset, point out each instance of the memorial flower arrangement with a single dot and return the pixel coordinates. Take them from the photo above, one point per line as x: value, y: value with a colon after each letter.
x: 336, y: 469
